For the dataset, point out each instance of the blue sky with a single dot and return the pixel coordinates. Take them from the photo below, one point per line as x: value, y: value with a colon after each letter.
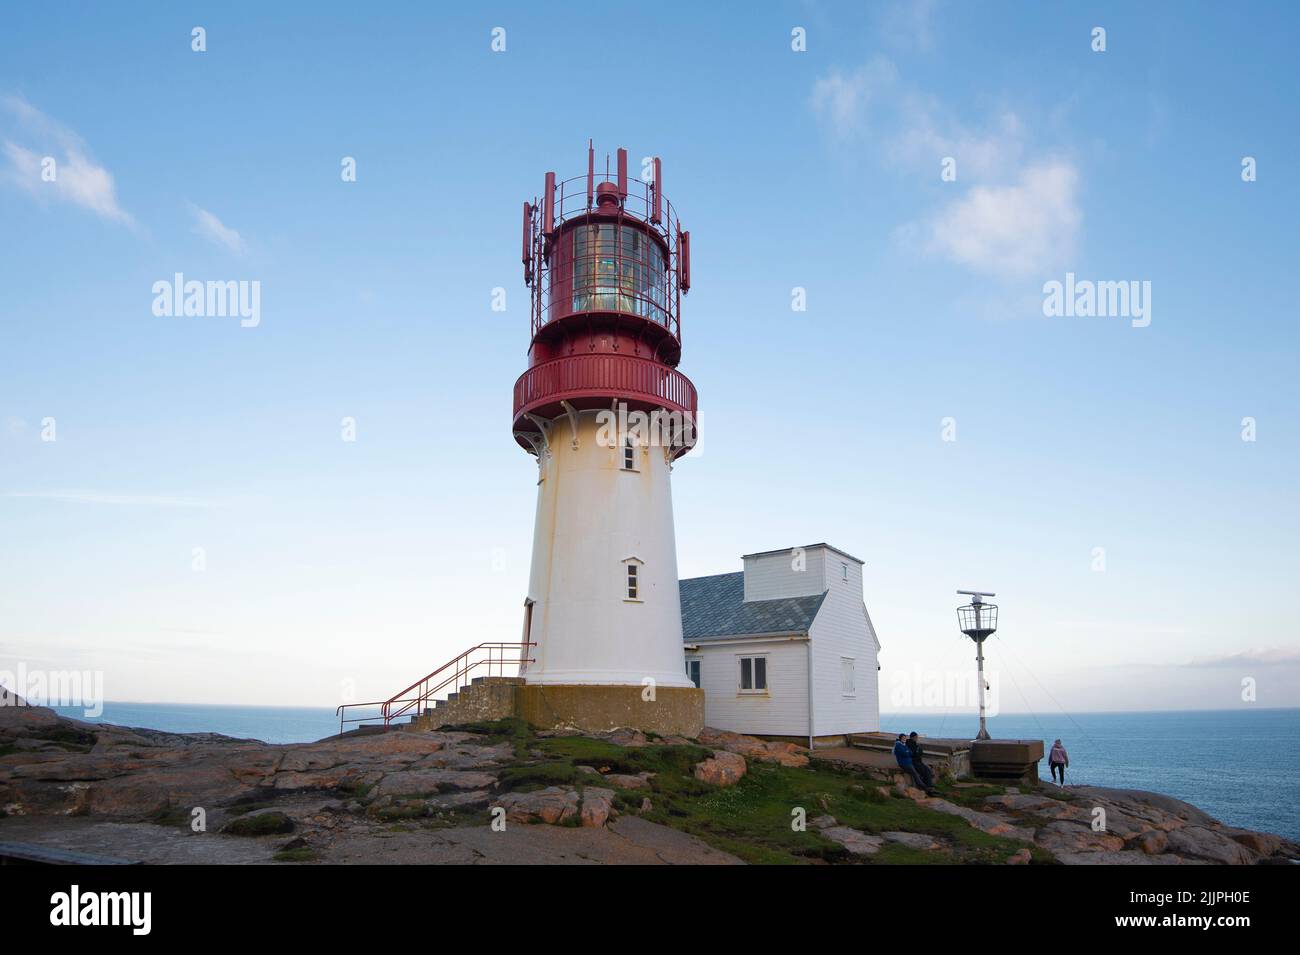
x: 368, y: 563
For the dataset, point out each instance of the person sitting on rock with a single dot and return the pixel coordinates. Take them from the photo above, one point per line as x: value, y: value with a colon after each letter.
x: 904, y: 757
x: 918, y: 761
x: 1057, y: 760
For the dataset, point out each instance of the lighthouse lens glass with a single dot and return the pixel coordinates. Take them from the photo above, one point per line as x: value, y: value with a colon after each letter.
x: 619, y: 269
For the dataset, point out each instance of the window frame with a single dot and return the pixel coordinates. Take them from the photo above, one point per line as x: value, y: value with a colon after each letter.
x: 851, y: 693
x: 633, y: 580
x: 753, y: 690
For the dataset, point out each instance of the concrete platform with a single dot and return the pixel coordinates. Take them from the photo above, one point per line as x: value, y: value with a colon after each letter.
x: 942, y: 754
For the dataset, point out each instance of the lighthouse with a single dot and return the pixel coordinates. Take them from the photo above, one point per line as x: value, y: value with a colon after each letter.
x: 606, y: 414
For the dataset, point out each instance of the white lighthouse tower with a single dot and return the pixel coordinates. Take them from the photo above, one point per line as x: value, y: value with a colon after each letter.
x: 606, y: 413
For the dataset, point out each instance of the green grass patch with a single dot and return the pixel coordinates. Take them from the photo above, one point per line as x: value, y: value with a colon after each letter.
x: 296, y: 855
x: 753, y: 818
x: 511, y: 730
x: 355, y: 790
x: 530, y: 776
x: 177, y: 817
x: 261, y: 824
x: 608, y: 757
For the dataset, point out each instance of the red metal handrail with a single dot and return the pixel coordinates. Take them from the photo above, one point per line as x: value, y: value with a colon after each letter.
x: 455, y: 671
x: 570, y: 201
x: 627, y: 376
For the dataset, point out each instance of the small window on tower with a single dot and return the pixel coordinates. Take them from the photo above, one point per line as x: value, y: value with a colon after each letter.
x: 632, y: 578
x: 629, y: 455
x: 844, y: 571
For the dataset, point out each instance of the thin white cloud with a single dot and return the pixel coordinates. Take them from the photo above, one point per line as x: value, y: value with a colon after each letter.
x: 1280, y: 656
x: 909, y: 23
x: 872, y: 107
x: 846, y: 101
x: 212, y: 228
x: 76, y: 177
x: 1012, y: 230
x: 927, y: 138
x: 1014, y: 215
x: 102, y: 497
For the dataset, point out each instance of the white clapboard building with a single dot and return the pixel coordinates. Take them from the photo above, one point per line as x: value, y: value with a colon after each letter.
x: 784, y: 648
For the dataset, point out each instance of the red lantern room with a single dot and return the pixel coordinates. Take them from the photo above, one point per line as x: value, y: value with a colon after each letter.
x: 607, y: 264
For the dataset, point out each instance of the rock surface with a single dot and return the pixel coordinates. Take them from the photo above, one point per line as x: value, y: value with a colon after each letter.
x: 723, y: 769
x: 597, y: 806
x: 785, y: 754
x: 415, y: 796
x: 858, y: 843
x: 552, y: 805
x: 1091, y: 825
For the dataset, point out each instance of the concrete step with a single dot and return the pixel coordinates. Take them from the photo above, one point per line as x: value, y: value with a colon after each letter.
x: 497, y: 681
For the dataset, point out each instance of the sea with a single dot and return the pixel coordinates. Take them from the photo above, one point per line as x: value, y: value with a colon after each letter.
x: 1240, y: 766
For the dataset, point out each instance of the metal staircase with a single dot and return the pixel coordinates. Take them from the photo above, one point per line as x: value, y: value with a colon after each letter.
x: 472, y: 674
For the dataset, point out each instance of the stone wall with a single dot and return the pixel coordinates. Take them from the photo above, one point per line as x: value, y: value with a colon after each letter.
x: 675, y: 711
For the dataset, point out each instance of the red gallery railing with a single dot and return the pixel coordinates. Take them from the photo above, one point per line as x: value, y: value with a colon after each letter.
x: 486, y: 659
x: 629, y: 377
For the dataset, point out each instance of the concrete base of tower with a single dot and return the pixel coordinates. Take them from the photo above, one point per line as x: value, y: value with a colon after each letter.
x: 674, y: 711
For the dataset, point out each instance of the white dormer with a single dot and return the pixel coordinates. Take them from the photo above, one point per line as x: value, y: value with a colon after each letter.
x: 801, y: 572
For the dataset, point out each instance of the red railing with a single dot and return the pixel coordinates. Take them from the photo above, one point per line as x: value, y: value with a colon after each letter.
x: 655, y: 295
x: 457, y: 672
x: 626, y: 377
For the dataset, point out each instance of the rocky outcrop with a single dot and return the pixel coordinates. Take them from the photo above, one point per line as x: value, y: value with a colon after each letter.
x: 856, y: 842
x: 553, y: 805
x: 423, y: 782
x: 597, y: 806
x: 722, y: 769
x: 785, y: 754
x: 918, y: 840
x: 360, y: 790
x: 1089, y: 825
x: 73, y: 768
x: 625, y: 781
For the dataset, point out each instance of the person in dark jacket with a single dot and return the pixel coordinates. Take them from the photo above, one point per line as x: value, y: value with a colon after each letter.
x: 904, y: 757
x: 918, y: 761
x: 1057, y: 760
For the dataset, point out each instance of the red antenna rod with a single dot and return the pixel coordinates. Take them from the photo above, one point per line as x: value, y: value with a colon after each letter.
x: 527, y: 252
x: 684, y: 265
x: 591, y: 172
x: 548, y: 206
x: 656, y: 210
x: 622, y: 174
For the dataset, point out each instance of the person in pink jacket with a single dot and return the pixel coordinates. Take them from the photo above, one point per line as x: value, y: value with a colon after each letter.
x: 1057, y: 760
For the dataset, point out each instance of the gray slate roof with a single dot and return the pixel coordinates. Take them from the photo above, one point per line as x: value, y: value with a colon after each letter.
x: 714, y: 608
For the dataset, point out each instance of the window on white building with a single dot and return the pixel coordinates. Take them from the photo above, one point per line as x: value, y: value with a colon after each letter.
x: 633, y: 579
x: 847, y: 683
x: 844, y: 571
x: 753, y: 674
x: 693, y: 672
x: 629, y: 455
